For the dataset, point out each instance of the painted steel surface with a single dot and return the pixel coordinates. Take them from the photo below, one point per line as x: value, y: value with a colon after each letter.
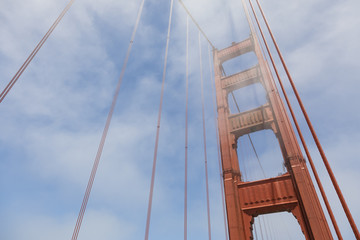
x: 293, y: 191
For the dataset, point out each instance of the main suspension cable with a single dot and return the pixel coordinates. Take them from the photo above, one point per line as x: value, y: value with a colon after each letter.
x: 204, y: 139
x: 317, y: 178
x: 197, y: 25
x: 312, y: 130
x: 105, y: 131
x: 33, y: 53
x: 186, y: 126
x: 218, y: 144
x: 158, y: 126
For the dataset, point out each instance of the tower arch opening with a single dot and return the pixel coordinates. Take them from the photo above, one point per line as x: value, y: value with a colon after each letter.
x: 260, y: 156
x: 247, y: 98
x: 240, y: 63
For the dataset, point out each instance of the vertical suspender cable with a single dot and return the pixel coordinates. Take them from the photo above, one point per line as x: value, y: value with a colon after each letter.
x: 256, y: 236
x: 250, y: 139
x: 204, y: 136
x: 242, y: 155
x: 265, y: 227
x: 271, y: 229
x: 158, y: 127
x: 253, y: 32
x: 186, y: 126
x: 261, y: 231
x: 265, y: 221
x: 104, y: 134
x: 286, y: 228
x: 312, y: 130
x: 298, y: 130
x: 218, y: 145
x: 33, y: 53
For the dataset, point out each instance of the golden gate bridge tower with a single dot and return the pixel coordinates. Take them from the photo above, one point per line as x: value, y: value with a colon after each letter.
x: 293, y: 191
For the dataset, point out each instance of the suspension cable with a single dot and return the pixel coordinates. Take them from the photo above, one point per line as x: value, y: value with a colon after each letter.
x: 197, y: 25
x: 218, y: 144
x: 267, y: 228
x: 267, y: 63
x: 260, y: 225
x: 312, y: 130
x: 158, y: 127
x: 256, y: 236
x: 186, y: 127
x: 242, y: 155
x: 204, y: 139
x: 286, y: 228
x: 271, y: 229
x: 106, y: 129
x: 317, y: 178
x: 33, y: 53
x: 250, y: 139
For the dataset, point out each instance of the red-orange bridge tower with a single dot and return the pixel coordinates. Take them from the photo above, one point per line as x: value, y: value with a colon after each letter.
x: 293, y: 191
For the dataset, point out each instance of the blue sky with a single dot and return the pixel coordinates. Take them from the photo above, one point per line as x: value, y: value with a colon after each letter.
x: 51, y: 122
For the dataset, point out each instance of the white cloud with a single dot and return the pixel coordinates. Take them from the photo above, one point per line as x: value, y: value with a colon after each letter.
x: 51, y: 121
